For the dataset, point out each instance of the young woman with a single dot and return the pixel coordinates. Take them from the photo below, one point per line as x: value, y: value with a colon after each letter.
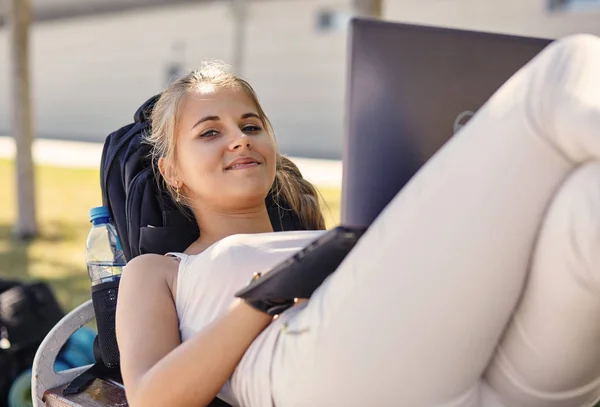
x: 478, y: 285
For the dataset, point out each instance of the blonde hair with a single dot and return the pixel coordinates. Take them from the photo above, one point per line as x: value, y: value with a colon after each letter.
x: 290, y: 190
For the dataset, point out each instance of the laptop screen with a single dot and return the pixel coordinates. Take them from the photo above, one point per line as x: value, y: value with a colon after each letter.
x: 410, y: 88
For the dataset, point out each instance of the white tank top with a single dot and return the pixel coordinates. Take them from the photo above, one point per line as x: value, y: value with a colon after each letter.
x: 206, y: 287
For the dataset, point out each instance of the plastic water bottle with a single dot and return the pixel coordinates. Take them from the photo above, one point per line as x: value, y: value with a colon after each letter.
x: 105, y: 261
x: 104, y: 254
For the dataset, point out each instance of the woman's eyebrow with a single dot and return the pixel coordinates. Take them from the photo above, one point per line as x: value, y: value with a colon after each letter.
x: 206, y: 119
x: 217, y: 118
x: 248, y: 115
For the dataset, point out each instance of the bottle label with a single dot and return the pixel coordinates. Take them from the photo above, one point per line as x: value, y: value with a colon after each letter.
x: 118, y: 243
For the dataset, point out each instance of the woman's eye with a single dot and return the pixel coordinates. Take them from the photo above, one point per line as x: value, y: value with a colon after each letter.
x: 209, y: 133
x: 251, y: 128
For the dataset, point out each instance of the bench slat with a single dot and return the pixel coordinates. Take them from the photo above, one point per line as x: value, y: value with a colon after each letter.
x: 99, y: 394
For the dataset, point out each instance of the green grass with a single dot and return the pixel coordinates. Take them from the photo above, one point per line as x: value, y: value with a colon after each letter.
x: 64, y: 197
x: 331, y: 205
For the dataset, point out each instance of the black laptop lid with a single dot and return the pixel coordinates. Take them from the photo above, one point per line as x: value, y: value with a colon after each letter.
x: 410, y: 87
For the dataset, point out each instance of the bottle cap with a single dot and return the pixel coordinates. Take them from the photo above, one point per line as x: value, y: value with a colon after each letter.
x: 99, y: 212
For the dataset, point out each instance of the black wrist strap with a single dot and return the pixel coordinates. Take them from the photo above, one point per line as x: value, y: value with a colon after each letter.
x: 271, y: 308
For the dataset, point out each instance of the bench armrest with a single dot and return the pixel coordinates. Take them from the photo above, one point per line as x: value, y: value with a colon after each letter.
x: 43, y: 375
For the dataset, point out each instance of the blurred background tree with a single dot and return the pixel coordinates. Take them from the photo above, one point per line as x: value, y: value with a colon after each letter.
x: 22, y: 125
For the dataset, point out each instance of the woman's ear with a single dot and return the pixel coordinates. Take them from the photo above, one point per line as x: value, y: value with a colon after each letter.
x: 168, y: 172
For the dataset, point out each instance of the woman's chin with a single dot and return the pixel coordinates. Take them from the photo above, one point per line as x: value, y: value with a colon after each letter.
x: 249, y: 194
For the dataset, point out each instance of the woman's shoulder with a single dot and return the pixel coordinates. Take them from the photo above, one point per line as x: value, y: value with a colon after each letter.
x: 150, y: 269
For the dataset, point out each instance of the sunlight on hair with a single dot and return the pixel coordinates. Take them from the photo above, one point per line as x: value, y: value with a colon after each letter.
x: 290, y: 190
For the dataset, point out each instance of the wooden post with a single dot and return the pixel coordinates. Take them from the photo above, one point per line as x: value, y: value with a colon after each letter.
x: 240, y: 15
x: 368, y: 8
x: 20, y: 18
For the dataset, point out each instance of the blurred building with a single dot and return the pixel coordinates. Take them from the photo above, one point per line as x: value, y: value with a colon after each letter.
x: 95, y: 62
x: 90, y: 71
x: 541, y: 18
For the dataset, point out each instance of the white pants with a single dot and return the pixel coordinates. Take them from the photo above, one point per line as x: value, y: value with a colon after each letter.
x: 479, y: 284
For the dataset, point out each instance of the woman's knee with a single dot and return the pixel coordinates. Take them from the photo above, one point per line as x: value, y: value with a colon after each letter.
x: 569, y: 238
x: 566, y: 94
x: 570, y: 56
x: 579, y: 42
x: 572, y: 50
x: 577, y: 209
x: 548, y: 355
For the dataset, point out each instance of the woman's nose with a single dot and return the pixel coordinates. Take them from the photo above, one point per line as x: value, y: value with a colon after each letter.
x: 240, y: 141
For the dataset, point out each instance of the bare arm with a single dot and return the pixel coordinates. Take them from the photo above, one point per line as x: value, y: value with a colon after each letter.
x: 157, y: 369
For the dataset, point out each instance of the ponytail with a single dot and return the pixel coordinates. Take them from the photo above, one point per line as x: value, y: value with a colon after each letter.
x: 298, y: 193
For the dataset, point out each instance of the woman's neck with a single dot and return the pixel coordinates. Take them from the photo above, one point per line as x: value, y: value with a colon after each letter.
x: 215, y: 226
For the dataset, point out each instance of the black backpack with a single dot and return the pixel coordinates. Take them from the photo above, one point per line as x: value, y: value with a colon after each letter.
x: 144, y: 214
x: 28, y: 311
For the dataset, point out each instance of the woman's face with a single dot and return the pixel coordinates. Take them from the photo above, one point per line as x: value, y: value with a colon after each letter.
x: 224, y: 156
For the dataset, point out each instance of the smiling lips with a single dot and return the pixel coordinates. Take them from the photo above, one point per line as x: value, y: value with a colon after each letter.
x: 242, y: 163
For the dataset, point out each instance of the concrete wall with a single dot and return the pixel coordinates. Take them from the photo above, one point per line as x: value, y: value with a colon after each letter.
x: 521, y: 17
x: 90, y: 74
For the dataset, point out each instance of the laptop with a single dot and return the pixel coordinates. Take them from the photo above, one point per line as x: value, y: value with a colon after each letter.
x: 410, y: 89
